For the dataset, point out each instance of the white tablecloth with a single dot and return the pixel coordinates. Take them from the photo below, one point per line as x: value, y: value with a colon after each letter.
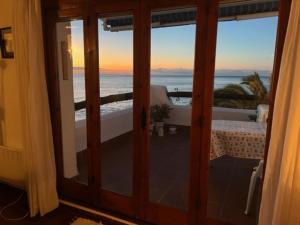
x: 238, y: 139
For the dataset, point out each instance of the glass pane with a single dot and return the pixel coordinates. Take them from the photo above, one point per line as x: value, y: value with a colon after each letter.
x: 172, y: 63
x: 72, y: 97
x: 242, y: 81
x: 116, y: 87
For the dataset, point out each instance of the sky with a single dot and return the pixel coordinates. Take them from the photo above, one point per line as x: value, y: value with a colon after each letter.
x: 241, y: 45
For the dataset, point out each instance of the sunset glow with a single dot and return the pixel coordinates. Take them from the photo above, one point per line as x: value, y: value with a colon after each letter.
x: 242, y: 45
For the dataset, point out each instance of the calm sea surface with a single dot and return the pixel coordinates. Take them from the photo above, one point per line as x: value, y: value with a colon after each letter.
x: 116, y: 84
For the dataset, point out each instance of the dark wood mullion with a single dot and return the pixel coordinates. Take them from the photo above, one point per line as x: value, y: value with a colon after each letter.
x: 283, y: 19
x: 96, y: 154
x: 142, y: 26
x: 51, y: 65
x: 66, y: 6
x: 195, y: 183
x: 208, y: 98
x: 206, y: 32
x: 109, y: 199
x: 70, y: 13
x: 171, y: 4
x: 145, y: 58
x: 136, y: 109
x: 66, y: 187
x: 114, y: 7
x: 92, y: 103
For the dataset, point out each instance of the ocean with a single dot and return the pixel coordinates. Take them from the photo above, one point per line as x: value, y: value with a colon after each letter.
x: 116, y: 84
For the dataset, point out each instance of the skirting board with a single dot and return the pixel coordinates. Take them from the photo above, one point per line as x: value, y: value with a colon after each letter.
x: 96, y: 212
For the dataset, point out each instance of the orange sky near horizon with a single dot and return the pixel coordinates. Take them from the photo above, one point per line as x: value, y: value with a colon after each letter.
x: 124, y: 63
x: 173, y: 48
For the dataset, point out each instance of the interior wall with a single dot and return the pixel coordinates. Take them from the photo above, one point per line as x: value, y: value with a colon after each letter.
x: 67, y: 103
x: 10, y: 113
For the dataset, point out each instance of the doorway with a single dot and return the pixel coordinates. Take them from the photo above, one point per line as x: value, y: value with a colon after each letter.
x: 108, y: 92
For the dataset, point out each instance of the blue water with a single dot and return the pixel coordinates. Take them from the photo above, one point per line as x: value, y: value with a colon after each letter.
x: 116, y: 84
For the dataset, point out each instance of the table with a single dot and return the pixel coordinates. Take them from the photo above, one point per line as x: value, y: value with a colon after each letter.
x: 238, y: 139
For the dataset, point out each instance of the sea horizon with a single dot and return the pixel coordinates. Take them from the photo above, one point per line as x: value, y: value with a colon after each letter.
x: 187, y: 72
x: 123, y: 83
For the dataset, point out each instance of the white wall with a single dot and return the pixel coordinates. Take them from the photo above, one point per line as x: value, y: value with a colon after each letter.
x: 11, y: 143
x: 10, y: 113
x: 113, y: 125
x: 120, y: 122
x: 67, y: 105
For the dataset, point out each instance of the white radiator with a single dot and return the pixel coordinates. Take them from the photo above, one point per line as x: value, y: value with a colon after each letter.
x: 12, y: 166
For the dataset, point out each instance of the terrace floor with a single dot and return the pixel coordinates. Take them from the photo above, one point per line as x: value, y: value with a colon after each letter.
x: 168, y: 185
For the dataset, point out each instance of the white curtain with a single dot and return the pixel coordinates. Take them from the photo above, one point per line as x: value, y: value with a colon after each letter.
x: 38, y: 143
x: 281, y: 190
x: 2, y: 65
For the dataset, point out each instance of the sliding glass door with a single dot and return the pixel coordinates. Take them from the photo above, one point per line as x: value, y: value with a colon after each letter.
x: 239, y: 118
x: 131, y: 88
x: 112, y: 161
x: 171, y: 85
x: 72, y: 105
x: 116, y: 105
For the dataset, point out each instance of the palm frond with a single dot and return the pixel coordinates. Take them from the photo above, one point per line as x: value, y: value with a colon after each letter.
x: 250, y: 85
x: 255, y: 85
x: 234, y: 89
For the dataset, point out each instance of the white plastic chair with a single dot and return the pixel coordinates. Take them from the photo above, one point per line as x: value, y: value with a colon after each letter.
x: 257, y: 173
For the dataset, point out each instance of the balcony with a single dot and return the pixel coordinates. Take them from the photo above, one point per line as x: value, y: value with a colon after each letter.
x: 229, y: 176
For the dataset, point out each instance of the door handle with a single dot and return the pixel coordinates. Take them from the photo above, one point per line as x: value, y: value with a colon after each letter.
x: 143, y: 118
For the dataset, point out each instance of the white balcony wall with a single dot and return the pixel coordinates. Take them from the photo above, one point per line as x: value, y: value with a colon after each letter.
x: 67, y: 105
x: 118, y: 123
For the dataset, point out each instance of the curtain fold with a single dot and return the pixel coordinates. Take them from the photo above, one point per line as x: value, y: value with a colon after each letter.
x: 38, y: 141
x: 281, y: 189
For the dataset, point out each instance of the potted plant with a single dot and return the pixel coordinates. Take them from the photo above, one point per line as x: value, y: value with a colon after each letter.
x: 158, y: 114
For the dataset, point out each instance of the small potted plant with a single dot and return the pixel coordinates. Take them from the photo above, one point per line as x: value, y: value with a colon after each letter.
x: 158, y: 114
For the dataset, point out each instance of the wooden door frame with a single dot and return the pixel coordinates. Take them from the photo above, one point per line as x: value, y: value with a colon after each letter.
x: 69, y: 188
x: 206, y: 37
x: 199, y: 212
x: 66, y: 187
x: 283, y: 19
x: 201, y: 116
x: 205, y: 41
x: 109, y: 199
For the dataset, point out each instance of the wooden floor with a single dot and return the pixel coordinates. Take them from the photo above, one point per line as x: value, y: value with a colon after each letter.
x: 228, y: 180
x: 64, y: 215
